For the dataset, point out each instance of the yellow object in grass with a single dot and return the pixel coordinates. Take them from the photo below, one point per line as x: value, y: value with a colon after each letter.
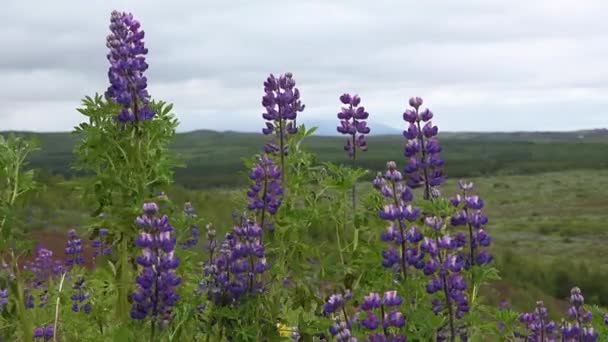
x: 284, y: 330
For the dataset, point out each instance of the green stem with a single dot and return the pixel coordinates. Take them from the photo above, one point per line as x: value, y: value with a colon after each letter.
x: 14, y: 193
x: 24, y: 317
x: 122, y: 305
x: 338, y: 237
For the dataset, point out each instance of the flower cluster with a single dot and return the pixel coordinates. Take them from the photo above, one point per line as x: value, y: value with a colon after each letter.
x: 579, y: 328
x: 422, y: 149
x: 100, y: 245
x: 192, y: 240
x: 470, y: 214
x: 282, y: 103
x: 341, y: 331
x: 444, y: 265
x: 398, y: 210
x: 235, y: 269
x: 539, y: 327
x: 336, y: 302
x: 388, y: 320
x: 80, y: 297
x: 44, y: 333
x: 127, y: 65
x: 3, y: 298
x: 266, y: 193
x: 44, y: 267
x: 155, y: 295
x: 73, y: 249
x: 352, y: 122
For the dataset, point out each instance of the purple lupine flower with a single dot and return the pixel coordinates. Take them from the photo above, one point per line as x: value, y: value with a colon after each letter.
x: 155, y: 295
x: 398, y: 210
x: 192, y: 240
x: 44, y: 333
x: 3, y: 298
x: 352, y: 122
x: 386, y: 319
x: 282, y: 103
x: 127, y: 65
x: 579, y: 328
x: 444, y: 266
x: 100, y: 245
x: 334, y: 303
x: 424, y: 166
x: 470, y: 214
x: 537, y: 324
x: 236, y: 268
x: 73, y: 249
x: 341, y: 331
x: 44, y: 267
x: 80, y: 297
x: 265, y: 195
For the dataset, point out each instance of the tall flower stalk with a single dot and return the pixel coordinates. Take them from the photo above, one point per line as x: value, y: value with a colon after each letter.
x: 282, y: 103
x: 444, y: 266
x: 234, y: 269
x: 422, y: 149
x: 265, y: 195
x: 352, y: 123
x: 127, y: 65
x: 124, y: 144
x: 470, y: 214
x: 73, y: 249
x: 155, y: 295
x: 190, y: 214
x: 397, y: 211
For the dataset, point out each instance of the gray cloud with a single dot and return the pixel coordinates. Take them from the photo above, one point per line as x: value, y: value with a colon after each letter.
x: 480, y: 65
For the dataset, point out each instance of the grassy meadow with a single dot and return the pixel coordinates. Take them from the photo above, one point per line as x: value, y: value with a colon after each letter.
x: 546, y: 199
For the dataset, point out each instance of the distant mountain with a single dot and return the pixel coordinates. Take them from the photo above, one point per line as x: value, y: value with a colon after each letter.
x: 328, y: 128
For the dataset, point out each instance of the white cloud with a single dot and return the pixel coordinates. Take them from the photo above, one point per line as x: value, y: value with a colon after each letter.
x: 480, y: 65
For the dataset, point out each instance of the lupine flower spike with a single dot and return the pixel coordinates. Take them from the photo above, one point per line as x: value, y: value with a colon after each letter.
x: 80, y: 296
x: 3, y: 298
x: 155, y: 295
x: 398, y: 211
x: 282, y: 103
x: 100, y: 245
x: 422, y: 149
x: 127, y: 65
x: 266, y: 193
x: 352, y: 123
x: 235, y: 269
x: 73, y: 249
x: 389, y: 316
x: 470, y: 214
x: 190, y: 214
x: 44, y: 334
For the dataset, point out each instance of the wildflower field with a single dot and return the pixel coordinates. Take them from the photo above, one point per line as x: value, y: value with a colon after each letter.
x: 305, y: 249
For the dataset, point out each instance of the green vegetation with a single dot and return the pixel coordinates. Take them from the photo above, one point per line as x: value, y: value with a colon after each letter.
x: 542, y: 250
x: 214, y: 159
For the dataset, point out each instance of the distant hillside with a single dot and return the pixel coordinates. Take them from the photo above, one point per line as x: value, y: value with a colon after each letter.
x: 329, y: 128
x: 215, y: 158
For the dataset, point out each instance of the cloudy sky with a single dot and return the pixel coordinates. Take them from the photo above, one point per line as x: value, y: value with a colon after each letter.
x: 480, y: 65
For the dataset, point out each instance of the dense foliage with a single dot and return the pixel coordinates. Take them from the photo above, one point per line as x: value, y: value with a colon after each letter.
x: 403, y: 263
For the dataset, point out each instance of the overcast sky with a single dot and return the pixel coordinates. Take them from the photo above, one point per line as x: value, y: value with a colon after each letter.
x: 480, y: 65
